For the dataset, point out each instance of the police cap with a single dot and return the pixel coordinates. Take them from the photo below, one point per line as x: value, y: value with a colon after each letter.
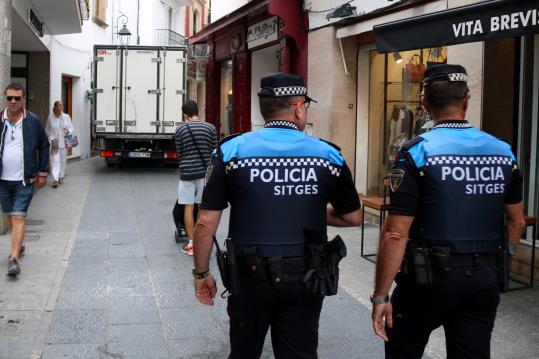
x: 281, y: 84
x: 444, y: 72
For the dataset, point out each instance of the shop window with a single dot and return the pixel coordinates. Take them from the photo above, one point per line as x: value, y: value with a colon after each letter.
x: 395, y: 112
x: 226, y: 99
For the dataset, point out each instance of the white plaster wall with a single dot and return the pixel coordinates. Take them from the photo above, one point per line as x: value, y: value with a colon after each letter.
x: 220, y: 8
x: 72, y: 55
x: 317, y: 14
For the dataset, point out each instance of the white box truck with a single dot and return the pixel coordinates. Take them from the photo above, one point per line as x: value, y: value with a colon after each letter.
x: 138, y: 95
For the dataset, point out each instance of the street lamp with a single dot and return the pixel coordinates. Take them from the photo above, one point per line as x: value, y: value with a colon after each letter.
x: 124, y: 34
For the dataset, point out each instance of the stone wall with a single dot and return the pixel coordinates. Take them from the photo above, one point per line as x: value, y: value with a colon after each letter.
x: 334, y: 116
x: 5, y: 43
x: 37, y: 98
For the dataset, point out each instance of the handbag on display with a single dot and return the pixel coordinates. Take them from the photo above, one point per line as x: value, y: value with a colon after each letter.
x: 436, y: 57
x: 71, y: 140
x: 414, y: 70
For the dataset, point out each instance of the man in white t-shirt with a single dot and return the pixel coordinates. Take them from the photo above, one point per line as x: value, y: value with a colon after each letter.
x: 24, y: 165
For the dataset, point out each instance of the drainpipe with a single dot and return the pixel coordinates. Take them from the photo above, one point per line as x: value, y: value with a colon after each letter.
x: 138, y: 21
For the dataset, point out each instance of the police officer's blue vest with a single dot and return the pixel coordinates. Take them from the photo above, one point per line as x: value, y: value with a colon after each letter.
x: 279, y: 181
x: 465, y: 175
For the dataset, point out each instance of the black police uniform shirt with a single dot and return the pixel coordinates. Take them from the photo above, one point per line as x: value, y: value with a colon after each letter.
x: 278, y: 181
x: 455, y: 180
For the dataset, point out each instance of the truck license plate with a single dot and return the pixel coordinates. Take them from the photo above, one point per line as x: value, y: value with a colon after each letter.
x: 139, y: 154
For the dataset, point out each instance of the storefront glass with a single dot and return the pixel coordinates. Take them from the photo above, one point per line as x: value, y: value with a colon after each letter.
x: 226, y: 99
x: 395, y: 113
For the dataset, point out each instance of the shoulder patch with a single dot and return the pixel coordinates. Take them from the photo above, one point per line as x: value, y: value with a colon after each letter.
x: 331, y: 144
x: 228, y: 138
x: 411, y: 143
x: 395, y: 179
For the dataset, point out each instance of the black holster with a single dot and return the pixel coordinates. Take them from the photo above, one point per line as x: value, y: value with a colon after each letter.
x: 322, y: 260
x: 417, y: 264
x: 228, y: 267
x: 502, y: 258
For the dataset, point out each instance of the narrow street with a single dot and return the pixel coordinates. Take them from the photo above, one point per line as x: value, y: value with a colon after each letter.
x: 103, y: 278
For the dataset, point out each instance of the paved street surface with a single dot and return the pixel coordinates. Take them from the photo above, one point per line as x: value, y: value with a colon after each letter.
x: 103, y: 278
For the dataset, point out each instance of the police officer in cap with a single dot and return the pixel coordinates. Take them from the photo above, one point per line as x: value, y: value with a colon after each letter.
x: 450, y: 188
x: 279, y: 182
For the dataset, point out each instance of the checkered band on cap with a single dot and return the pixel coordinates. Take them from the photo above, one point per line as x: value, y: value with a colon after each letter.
x: 290, y: 91
x: 457, y: 77
x: 283, y: 162
x: 469, y: 160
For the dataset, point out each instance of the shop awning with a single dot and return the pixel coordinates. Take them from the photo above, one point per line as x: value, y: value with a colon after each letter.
x: 478, y: 22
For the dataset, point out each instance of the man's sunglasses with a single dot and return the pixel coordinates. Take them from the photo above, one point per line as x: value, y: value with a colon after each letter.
x: 297, y: 103
x: 11, y: 98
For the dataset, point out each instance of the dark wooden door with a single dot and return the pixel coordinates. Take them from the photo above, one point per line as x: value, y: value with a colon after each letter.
x: 242, y: 92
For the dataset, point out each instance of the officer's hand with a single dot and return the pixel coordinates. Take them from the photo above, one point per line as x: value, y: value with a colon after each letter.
x: 205, y: 290
x: 382, y: 313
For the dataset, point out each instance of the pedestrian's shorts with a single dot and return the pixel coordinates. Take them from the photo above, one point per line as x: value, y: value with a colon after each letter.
x: 190, y: 192
x: 15, y: 197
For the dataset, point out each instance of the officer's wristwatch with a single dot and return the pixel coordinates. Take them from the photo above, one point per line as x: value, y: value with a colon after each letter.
x: 378, y: 300
x: 201, y: 275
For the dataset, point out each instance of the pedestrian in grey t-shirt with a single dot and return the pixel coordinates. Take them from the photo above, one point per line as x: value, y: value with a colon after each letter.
x: 195, y: 141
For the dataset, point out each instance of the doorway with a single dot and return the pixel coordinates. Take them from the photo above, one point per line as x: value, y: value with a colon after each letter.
x: 226, y: 115
x: 263, y: 62
x: 67, y: 99
x: 67, y: 95
x: 508, y: 105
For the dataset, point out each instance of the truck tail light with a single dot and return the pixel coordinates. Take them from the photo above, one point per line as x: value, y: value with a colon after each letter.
x: 106, y: 153
x: 170, y: 155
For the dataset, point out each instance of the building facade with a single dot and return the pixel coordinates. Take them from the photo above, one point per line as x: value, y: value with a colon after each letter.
x: 260, y: 37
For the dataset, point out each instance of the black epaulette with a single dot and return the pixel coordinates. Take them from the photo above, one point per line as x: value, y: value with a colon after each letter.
x: 331, y: 144
x: 228, y: 138
x: 411, y: 143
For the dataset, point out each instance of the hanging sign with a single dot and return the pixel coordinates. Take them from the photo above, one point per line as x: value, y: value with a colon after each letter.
x: 477, y: 22
x: 263, y: 32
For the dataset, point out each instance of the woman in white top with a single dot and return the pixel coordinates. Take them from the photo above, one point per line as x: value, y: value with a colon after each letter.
x: 58, y: 125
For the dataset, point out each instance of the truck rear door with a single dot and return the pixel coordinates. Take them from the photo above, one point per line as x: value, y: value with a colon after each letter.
x: 107, y: 91
x: 171, y: 79
x: 140, y: 95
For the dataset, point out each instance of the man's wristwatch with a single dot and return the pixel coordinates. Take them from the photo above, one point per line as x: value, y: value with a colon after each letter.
x: 378, y: 300
x: 201, y: 275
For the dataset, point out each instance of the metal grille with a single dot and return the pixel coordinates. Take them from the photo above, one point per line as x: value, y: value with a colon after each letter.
x: 167, y: 37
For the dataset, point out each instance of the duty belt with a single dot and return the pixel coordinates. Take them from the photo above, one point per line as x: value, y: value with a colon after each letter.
x: 272, y: 268
x: 473, y: 259
x: 288, y: 264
